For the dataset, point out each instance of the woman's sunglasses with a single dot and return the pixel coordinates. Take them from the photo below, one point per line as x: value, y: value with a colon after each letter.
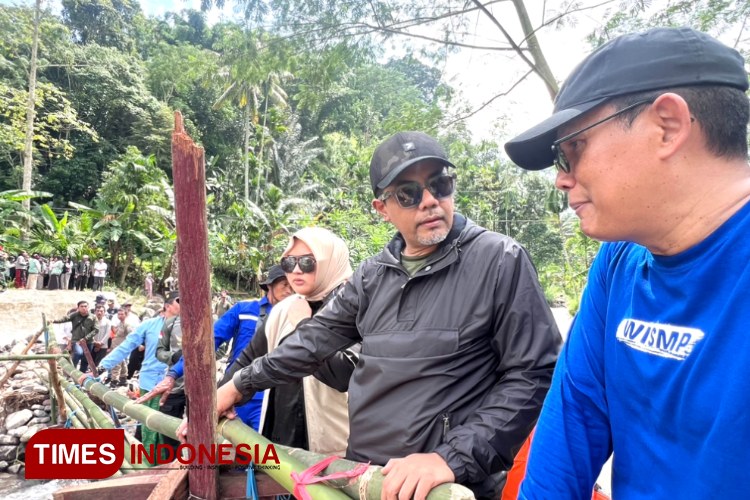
x: 409, y: 194
x: 306, y: 263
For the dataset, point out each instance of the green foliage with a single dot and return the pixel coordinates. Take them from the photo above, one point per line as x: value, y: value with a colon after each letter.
x: 105, y: 22
x: 294, y: 110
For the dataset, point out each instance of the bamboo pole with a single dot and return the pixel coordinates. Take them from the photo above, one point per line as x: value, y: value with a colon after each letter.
x: 189, y: 175
x: 369, y: 484
x: 54, y: 380
x: 84, y: 404
x: 55, y: 383
x: 12, y: 369
x: 235, y: 431
x: 32, y: 357
x: 71, y: 403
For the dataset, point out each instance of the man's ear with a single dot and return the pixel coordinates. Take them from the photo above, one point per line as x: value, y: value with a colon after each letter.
x: 381, y: 208
x: 675, y: 121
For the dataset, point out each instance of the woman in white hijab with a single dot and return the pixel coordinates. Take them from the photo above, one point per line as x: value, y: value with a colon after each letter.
x: 307, y: 414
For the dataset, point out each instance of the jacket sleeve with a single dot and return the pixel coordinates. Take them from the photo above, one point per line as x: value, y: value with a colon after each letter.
x: 526, y: 342
x: 338, y: 369
x: 315, y: 340
x: 93, y: 330
x: 122, y: 351
x: 177, y: 370
x: 64, y: 319
x: 226, y: 326
x: 573, y: 437
x: 257, y: 347
x: 163, y: 348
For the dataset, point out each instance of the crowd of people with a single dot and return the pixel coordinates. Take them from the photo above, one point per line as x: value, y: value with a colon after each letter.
x: 435, y: 358
x: 53, y: 272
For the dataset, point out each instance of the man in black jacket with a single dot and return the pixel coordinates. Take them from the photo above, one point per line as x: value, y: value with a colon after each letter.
x: 458, y: 343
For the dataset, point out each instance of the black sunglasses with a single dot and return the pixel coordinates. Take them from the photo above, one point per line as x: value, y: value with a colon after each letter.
x: 561, y: 161
x: 409, y: 194
x: 306, y: 263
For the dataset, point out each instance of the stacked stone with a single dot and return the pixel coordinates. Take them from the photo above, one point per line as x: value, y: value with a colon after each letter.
x: 24, y: 411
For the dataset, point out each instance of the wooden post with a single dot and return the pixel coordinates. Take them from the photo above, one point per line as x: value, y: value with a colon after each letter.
x: 189, y: 174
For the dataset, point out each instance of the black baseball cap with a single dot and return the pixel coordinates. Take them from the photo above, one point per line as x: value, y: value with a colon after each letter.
x: 172, y: 296
x: 275, y: 273
x: 399, y: 152
x: 659, y: 58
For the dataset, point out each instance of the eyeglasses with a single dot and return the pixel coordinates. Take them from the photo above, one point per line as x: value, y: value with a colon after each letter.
x: 409, y: 194
x: 561, y: 161
x: 306, y: 263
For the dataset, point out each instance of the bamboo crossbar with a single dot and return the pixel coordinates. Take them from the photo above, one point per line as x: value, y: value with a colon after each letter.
x: 235, y: 431
x: 32, y: 357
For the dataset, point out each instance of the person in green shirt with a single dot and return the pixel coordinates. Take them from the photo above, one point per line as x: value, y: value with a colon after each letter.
x: 35, y: 268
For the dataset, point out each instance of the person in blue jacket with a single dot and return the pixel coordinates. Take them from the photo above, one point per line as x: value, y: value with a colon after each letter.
x: 238, y: 324
x: 649, y: 135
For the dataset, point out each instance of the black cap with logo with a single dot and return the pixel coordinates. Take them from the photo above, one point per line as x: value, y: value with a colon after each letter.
x: 275, y: 273
x: 659, y: 58
x: 399, y: 152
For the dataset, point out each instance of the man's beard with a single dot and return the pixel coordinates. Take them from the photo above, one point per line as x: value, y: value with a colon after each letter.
x: 433, y: 239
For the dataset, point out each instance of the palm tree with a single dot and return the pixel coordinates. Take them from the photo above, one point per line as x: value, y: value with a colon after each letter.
x: 253, y: 76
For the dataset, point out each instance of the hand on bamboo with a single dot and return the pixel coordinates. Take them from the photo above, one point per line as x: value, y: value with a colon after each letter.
x: 226, y: 397
x: 414, y: 476
x: 164, y: 388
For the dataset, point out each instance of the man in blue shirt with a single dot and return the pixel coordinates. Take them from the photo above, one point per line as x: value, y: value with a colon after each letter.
x: 649, y: 134
x: 152, y: 370
x: 238, y: 324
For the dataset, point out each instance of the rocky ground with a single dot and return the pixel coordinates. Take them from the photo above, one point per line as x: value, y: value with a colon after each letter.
x: 25, y: 405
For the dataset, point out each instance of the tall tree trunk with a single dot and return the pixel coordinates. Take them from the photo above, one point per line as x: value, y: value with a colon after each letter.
x: 260, y: 152
x: 28, y: 159
x: 125, y: 267
x: 246, y: 151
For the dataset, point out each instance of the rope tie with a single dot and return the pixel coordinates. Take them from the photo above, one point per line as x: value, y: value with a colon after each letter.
x: 310, y: 476
x: 69, y: 421
x: 251, y: 486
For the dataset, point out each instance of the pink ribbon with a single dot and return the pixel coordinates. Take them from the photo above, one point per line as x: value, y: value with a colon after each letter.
x: 310, y: 476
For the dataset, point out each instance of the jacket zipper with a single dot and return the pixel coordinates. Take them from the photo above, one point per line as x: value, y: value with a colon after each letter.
x: 446, y: 425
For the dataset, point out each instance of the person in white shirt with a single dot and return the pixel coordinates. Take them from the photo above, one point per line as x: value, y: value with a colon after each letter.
x: 100, y: 271
x: 101, y: 339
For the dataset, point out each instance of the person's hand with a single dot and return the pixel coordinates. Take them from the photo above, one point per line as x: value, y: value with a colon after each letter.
x: 226, y: 397
x: 141, y: 348
x: 164, y: 388
x: 82, y: 342
x: 83, y: 378
x: 298, y: 310
x: 414, y: 476
x: 69, y: 346
x: 182, y: 431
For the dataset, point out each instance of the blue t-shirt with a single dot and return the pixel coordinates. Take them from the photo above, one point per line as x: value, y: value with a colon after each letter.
x: 655, y: 368
x: 152, y: 370
x: 238, y: 323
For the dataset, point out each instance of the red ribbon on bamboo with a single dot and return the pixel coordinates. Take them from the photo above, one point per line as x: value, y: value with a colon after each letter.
x: 310, y: 476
